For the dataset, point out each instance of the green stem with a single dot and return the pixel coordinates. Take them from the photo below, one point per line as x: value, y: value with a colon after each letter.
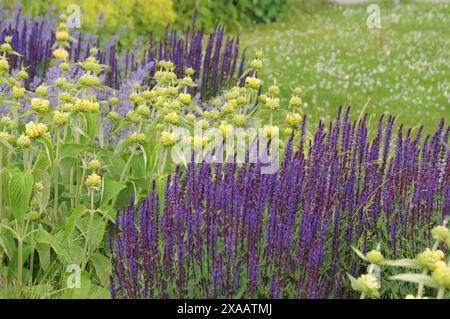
x: 56, y: 175
x: 127, y: 166
x: 363, y: 295
x: 440, y: 294
x: 1, y: 183
x: 421, y: 286
x: 88, y: 237
x: 32, y: 254
x: 19, y: 266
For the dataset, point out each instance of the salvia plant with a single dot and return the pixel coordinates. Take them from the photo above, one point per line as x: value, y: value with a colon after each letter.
x: 230, y: 231
x: 70, y: 154
x: 431, y: 266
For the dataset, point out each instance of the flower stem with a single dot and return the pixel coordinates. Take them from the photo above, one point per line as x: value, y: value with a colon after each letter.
x: 88, y: 237
x: 56, y: 175
x: 19, y: 266
x: 1, y: 183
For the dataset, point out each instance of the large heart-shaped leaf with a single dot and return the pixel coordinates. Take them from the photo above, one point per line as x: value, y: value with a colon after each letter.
x: 20, y: 189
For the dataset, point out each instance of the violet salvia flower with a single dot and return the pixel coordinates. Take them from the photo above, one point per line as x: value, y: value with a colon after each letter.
x: 229, y: 231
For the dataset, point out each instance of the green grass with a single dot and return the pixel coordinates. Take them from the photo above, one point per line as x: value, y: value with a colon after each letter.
x: 402, y: 69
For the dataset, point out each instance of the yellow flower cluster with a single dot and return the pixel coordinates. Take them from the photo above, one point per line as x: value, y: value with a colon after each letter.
x: 7, y: 137
x: 168, y: 139
x: 270, y: 130
x: 138, y: 138
x: 374, y: 257
x: 200, y: 141
x: 89, y: 80
x: 40, y: 105
x: 370, y: 284
x: 430, y: 258
x: 35, y: 129
x: 95, y: 165
x: 294, y: 119
x: 93, y: 180
x: 86, y: 106
x: 61, y: 54
x: 441, y: 274
x: 60, y: 118
x: 252, y: 83
x: 23, y: 141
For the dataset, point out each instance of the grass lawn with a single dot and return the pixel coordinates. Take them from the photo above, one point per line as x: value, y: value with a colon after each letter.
x: 402, y: 68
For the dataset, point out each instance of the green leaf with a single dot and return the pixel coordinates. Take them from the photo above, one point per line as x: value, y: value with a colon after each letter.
x: 407, y: 263
x: 110, y: 189
x: 76, y: 213
x: 359, y: 253
x: 44, y: 237
x: 49, y: 149
x: 44, y: 255
x: 71, y: 150
x: 416, y: 278
x: 102, y: 267
x: 20, y: 189
x: 108, y: 212
x: 91, y: 124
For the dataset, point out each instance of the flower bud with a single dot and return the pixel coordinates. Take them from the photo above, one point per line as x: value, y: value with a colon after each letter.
x: 60, y: 82
x: 256, y: 64
x: 273, y: 103
x: 35, y: 129
x: 61, y: 53
x: 41, y: 91
x: 7, y: 137
x: 240, y: 120
x: 441, y: 274
x: 143, y: 110
x: 34, y: 215
x: 6, y: 47
x: 95, y: 165
x: 138, y: 138
x: 18, y: 92
x: 252, y: 83
x: 60, y: 118
x: 89, y: 80
x: 173, y: 118
x: 22, y: 75
x: 204, y: 124
x: 200, y: 141
x: 93, y: 180
x: 374, y: 257
x: 270, y: 130
x: 295, y: 102
x: 185, y: 98
x: 190, y: 117
x: 168, y: 139
x: 294, y: 119
x: 189, y: 71
x: 370, y: 284
x: 440, y: 233
x: 23, y: 141
x: 429, y: 258
x: 113, y: 116
x: 274, y: 89
x: 64, y: 67
x: 4, y: 65
x: 62, y: 35
x: 40, y: 105
x: 38, y: 186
